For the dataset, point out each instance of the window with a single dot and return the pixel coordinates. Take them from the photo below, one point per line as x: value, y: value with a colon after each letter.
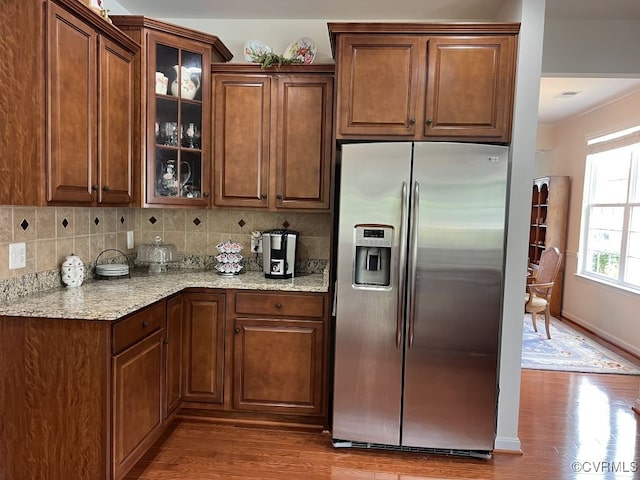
x: 611, y: 216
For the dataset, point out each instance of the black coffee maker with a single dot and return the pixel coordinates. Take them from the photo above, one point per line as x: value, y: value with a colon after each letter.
x: 279, y: 253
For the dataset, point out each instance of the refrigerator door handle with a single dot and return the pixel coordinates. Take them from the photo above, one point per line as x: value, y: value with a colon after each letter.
x: 402, y: 263
x: 413, y: 259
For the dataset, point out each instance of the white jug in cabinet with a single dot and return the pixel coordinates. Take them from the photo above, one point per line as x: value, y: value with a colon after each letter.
x: 72, y: 271
x: 189, y: 83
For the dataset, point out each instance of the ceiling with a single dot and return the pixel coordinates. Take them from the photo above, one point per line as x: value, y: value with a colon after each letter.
x: 593, y: 91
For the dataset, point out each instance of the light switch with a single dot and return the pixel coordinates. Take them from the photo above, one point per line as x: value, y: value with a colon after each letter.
x: 130, y: 243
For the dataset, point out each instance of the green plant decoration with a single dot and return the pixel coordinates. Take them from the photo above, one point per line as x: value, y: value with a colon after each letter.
x: 271, y: 59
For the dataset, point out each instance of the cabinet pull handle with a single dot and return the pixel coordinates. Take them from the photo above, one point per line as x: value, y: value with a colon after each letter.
x: 105, y: 188
x: 263, y: 196
x: 94, y: 187
x: 145, y: 324
x: 278, y: 305
x: 412, y: 121
x: 429, y: 121
x: 237, y: 330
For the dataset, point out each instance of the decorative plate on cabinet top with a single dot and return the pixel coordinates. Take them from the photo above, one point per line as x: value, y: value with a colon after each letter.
x: 253, y: 49
x: 302, y: 50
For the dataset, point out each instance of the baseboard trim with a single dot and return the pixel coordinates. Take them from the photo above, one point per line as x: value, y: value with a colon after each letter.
x: 510, y: 445
x: 602, y: 335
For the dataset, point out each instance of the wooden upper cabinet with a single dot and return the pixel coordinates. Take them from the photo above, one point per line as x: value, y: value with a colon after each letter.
x: 425, y: 81
x: 303, y: 141
x: 242, y: 127
x: 470, y: 87
x: 116, y: 87
x: 172, y: 152
x: 89, y: 121
x: 377, y: 85
x: 273, y: 143
x: 71, y: 118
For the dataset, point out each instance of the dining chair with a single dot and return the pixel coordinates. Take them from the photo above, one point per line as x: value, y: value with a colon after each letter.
x: 538, y: 296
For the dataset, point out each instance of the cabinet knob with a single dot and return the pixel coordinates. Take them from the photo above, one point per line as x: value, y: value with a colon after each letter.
x: 412, y: 121
x: 278, y: 305
x: 94, y: 187
x: 105, y: 188
x: 145, y: 324
x: 237, y: 330
x: 279, y: 197
x: 429, y: 121
x: 166, y: 341
x: 263, y: 196
x: 205, y: 194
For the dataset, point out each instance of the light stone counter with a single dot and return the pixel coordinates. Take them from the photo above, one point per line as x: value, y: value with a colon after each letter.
x: 113, y: 299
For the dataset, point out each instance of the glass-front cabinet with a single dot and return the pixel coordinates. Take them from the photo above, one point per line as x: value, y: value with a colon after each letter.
x: 177, y: 153
x: 174, y: 110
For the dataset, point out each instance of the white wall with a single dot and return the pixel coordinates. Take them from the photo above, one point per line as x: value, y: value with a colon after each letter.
x: 591, y: 48
x: 531, y: 15
x: 610, y: 312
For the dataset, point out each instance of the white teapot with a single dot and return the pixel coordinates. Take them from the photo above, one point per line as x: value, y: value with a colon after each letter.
x: 189, y: 83
x: 72, y: 271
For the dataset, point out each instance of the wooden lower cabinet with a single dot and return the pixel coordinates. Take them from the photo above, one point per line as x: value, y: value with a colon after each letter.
x: 278, y: 365
x: 173, y: 352
x: 203, y: 355
x: 262, y: 356
x: 88, y: 398
x: 280, y: 353
x: 137, y: 400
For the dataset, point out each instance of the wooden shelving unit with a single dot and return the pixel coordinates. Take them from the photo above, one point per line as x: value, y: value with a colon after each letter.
x: 548, y: 225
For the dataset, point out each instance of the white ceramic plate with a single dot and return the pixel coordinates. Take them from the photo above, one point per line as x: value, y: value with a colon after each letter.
x: 253, y: 49
x: 302, y: 49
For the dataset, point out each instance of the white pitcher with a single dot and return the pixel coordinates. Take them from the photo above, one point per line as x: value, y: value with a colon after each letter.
x: 189, y: 83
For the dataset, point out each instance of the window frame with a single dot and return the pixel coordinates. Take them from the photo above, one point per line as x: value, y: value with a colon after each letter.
x: 625, y: 138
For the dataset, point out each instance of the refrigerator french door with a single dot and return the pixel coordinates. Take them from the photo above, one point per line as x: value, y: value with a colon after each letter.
x: 419, y: 279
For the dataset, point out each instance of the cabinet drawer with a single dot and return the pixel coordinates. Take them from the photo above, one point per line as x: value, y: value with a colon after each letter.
x: 298, y: 305
x: 131, y: 330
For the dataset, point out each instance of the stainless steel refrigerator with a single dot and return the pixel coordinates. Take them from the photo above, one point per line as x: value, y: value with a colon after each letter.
x: 420, y: 254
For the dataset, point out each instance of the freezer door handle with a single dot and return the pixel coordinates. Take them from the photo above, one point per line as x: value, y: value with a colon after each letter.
x: 413, y: 259
x: 402, y: 263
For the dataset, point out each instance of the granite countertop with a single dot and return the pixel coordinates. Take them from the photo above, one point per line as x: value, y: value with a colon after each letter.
x: 113, y: 299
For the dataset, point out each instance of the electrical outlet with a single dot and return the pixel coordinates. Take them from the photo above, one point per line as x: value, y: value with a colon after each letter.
x: 130, y: 243
x: 17, y: 255
x: 256, y: 242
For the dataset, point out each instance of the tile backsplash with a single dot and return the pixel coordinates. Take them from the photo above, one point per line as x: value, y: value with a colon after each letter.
x: 52, y: 233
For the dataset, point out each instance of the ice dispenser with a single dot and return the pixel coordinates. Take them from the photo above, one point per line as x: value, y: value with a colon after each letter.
x: 373, y: 254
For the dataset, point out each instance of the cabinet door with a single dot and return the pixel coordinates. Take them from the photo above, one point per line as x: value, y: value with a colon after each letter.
x: 174, y: 355
x: 378, y: 82
x: 470, y: 87
x: 304, y: 141
x: 116, y: 124
x: 138, y: 374
x: 178, y: 113
x: 71, y: 115
x: 203, y: 347
x: 241, y: 117
x: 278, y: 365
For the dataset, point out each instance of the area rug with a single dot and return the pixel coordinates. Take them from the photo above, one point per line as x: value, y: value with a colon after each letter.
x: 568, y: 350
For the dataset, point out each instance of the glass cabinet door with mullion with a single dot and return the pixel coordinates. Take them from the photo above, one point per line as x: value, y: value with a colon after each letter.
x: 178, y: 146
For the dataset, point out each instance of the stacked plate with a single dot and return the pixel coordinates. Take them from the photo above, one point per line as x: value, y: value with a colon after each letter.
x: 112, y: 270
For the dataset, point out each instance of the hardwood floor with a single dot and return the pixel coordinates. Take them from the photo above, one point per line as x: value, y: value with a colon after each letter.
x: 572, y: 426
